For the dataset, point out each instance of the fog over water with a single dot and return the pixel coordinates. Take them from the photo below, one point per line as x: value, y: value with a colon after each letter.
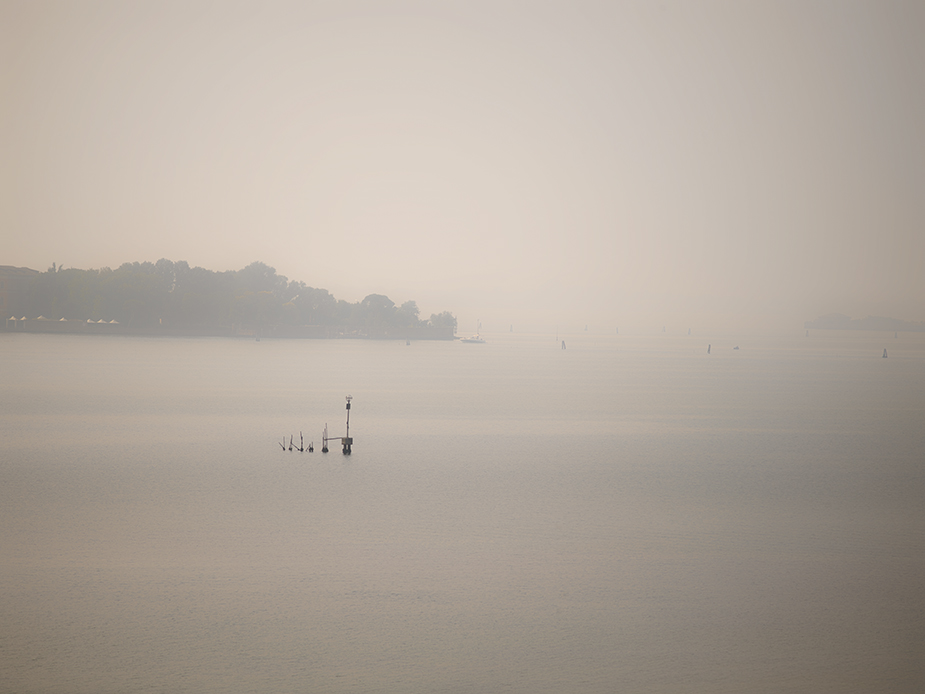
x: 649, y: 478
x: 629, y: 514
x: 613, y: 164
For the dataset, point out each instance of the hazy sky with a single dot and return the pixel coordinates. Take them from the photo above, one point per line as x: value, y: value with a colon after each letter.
x: 629, y: 164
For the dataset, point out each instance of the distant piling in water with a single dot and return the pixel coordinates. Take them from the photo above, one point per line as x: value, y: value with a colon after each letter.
x: 708, y: 348
x: 346, y: 440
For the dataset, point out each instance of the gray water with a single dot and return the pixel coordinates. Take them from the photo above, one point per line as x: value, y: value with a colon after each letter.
x: 628, y: 515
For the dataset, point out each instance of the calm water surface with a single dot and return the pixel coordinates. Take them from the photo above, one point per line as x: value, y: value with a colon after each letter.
x: 628, y: 515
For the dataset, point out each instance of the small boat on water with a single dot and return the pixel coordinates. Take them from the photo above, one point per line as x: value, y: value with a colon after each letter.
x: 475, y: 339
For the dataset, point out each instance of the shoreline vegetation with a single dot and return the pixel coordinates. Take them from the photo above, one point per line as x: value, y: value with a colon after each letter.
x: 172, y: 299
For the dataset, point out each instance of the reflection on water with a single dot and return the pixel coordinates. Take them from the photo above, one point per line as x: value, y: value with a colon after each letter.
x: 629, y: 515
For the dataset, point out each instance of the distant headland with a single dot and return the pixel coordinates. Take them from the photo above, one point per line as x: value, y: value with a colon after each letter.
x: 172, y: 298
x: 838, y: 321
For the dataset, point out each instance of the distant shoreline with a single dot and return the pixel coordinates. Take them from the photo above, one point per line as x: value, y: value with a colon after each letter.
x: 838, y: 321
x: 316, y: 332
x: 168, y: 298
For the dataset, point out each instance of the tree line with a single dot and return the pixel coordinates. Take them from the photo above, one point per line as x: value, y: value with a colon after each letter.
x: 174, y: 295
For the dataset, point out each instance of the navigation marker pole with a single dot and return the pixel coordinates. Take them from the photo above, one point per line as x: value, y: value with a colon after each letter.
x: 347, y: 441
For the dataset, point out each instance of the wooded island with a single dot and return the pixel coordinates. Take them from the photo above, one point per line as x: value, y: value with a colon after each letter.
x: 173, y: 298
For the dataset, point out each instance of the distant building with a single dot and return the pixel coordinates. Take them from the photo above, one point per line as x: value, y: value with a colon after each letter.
x: 13, y: 283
